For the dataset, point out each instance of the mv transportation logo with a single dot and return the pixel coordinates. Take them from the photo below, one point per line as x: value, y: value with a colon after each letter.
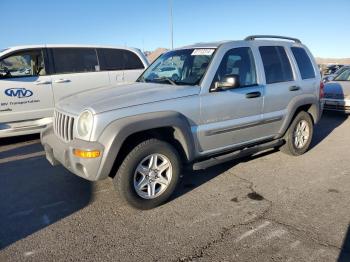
x: 18, y: 92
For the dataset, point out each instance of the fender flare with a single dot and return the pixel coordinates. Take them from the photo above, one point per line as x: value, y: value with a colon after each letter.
x: 315, y: 110
x: 115, y: 134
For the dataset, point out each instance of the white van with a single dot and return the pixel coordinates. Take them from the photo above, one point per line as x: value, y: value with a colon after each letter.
x: 34, y: 78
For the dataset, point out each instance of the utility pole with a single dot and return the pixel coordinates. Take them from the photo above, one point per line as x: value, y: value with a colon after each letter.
x: 171, y: 24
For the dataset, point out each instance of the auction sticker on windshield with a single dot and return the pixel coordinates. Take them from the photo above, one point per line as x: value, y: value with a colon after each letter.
x: 205, y: 51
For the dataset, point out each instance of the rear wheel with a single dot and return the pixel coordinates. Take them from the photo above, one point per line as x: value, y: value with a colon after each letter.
x: 299, y: 135
x: 148, y: 175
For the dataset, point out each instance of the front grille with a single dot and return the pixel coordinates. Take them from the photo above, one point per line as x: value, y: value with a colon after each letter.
x: 63, y: 126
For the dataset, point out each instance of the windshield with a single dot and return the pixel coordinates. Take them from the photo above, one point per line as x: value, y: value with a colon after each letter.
x: 179, y: 67
x: 345, y: 76
x: 341, y: 70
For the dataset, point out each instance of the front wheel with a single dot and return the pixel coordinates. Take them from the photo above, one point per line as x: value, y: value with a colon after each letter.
x: 299, y: 135
x: 148, y: 175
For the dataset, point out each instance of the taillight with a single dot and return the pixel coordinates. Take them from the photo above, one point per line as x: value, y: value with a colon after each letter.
x: 321, y: 90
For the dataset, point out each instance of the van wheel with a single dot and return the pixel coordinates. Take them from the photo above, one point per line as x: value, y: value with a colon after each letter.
x: 299, y: 135
x: 148, y: 175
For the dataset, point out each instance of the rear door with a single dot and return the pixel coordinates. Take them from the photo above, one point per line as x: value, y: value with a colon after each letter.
x: 76, y: 70
x: 26, y: 91
x: 133, y: 66
x: 281, y: 86
x: 112, y: 61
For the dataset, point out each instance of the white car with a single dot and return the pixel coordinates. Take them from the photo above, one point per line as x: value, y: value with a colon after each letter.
x: 328, y: 78
x: 171, y: 72
x: 34, y: 78
x: 337, y: 93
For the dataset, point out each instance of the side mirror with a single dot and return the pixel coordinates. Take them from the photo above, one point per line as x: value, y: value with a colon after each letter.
x: 228, y: 82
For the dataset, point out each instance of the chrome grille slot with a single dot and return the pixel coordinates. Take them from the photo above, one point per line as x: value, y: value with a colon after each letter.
x: 63, y: 126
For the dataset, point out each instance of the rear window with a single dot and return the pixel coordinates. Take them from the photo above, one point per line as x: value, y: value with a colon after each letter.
x: 74, y: 60
x: 118, y: 59
x: 304, y: 63
x: 276, y: 64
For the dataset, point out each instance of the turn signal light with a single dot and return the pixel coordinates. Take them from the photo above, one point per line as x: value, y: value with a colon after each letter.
x: 87, y: 154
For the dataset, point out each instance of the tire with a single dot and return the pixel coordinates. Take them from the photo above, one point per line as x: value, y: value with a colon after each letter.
x: 298, y: 145
x: 139, y: 185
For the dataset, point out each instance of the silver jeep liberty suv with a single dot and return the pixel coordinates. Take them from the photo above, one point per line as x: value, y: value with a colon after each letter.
x: 195, y: 106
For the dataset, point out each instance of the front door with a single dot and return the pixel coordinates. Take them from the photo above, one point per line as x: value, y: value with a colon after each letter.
x: 25, y: 89
x: 232, y: 117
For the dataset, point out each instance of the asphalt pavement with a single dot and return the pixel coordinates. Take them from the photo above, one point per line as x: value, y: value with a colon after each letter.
x: 270, y: 207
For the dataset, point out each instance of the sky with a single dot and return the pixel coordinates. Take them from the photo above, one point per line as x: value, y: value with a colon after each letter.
x: 322, y: 25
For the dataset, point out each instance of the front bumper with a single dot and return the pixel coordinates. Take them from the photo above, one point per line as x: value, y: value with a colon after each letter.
x: 336, y: 105
x: 60, y: 152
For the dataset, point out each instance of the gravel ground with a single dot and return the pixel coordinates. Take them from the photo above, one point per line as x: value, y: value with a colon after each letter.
x: 270, y: 207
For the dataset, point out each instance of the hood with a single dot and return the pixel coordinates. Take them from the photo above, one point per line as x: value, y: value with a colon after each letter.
x: 337, y: 89
x: 117, y: 97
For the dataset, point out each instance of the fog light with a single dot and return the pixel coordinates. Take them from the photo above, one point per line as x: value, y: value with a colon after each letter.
x: 87, y: 154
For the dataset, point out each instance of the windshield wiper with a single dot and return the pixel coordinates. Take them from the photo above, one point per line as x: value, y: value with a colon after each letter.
x: 141, y: 79
x: 166, y: 79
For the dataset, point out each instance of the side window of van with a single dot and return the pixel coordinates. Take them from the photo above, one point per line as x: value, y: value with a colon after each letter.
x: 118, y: 59
x: 276, y: 64
x: 74, y: 60
x: 23, y: 64
x: 132, y: 61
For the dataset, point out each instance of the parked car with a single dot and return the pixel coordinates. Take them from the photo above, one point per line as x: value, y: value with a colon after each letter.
x: 34, y: 78
x: 337, y: 93
x: 328, y: 78
x: 167, y: 71
x: 331, y: 69
x: 232, y: 99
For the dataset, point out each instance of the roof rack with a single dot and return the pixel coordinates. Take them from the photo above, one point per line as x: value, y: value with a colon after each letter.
x: 253, y: 37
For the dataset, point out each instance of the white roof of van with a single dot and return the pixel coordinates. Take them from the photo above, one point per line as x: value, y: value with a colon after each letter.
x: 14, y: 48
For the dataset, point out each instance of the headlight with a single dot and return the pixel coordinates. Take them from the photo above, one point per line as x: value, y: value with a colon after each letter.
x: 85, y: 123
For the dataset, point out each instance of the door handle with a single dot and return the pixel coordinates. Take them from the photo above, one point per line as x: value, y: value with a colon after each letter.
x: 44, y: 82
x: 294, y: 88
x: 253, y: 95
x: 59, y: 81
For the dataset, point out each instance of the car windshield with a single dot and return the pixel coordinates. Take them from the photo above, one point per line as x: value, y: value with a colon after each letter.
x: 341, y: 70
x: 345, y: 76
x: 179, y: 67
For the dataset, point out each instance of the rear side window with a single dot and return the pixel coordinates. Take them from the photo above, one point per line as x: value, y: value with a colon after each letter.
x: 304, y: 63
x: 74, y: 60
x: 276, y: 64
x: 132, y: 61
x: 118, y: 59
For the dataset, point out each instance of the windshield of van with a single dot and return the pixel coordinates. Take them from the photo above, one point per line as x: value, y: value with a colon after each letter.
x: 179, y: 67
